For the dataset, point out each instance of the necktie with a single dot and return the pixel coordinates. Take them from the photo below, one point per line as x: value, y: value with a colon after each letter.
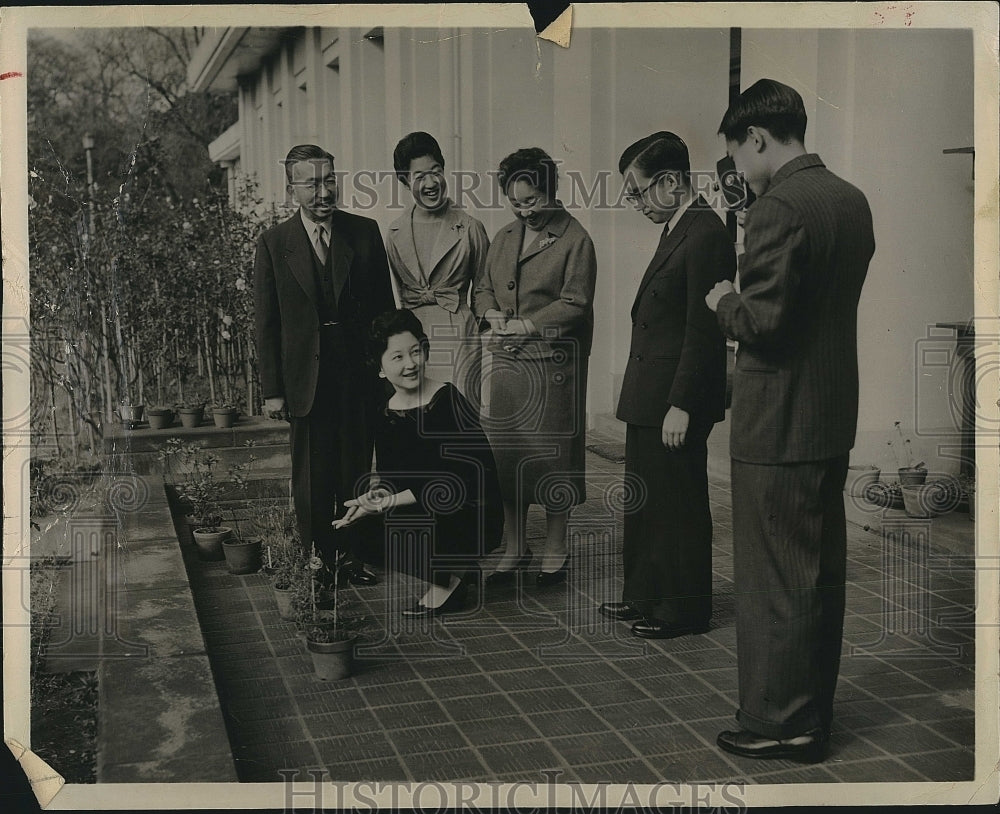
x: 322, y: 243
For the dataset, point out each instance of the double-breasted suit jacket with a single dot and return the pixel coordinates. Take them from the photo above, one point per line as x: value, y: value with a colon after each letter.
x: 809, y: 239
x: 536, y: 416
x: 677, y: 358
x: 440, y: 294
x: 312, y: 320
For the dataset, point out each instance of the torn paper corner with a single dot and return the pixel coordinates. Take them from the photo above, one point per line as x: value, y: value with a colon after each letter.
x: 45, y: 781
x: 558, y: 30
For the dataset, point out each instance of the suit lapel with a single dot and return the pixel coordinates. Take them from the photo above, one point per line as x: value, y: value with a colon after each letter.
x: 404, y: 246
x: 667, y: 246
x: 298, y: 256
x: 447, y: 237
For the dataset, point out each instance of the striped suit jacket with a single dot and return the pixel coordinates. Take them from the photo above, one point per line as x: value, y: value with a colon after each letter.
x: 809, y: 239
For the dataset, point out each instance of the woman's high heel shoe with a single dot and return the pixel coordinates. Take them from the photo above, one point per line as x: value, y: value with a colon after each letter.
x: 544, y: 579
x: 501, y: 577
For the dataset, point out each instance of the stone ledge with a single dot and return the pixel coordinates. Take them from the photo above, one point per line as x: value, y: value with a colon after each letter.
x: 160, y: 718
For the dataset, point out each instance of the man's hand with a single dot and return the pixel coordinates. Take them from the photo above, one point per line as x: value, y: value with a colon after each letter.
x: 275, y: 408
x: 497, y: 320
x: 674, y: 431
x: 722, y: 288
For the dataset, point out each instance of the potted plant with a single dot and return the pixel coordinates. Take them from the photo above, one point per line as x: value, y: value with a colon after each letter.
x: 859, y: 478
x: 286, y: 560
x: 330, y: 639
x: 224, y: 416
x: 242, y: 552
x: 191, y: 413
x: 130, y: 414
x: 160, y: 418
x: 202, y: 489
x: 888, y: 495
x: 910, y: 474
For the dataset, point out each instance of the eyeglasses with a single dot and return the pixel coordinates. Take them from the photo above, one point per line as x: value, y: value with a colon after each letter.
x: 329, y: 183
x: 635, y: 197
x: 521, y: 206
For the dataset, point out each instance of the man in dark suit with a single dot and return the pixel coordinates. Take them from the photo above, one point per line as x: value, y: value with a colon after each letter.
x: 672, y: 394
x: 320, y: 277
x: 809, y: 240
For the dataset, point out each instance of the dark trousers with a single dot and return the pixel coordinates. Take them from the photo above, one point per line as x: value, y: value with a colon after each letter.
x: 790, y: 554
x: 667, y: 549
x: 332, y: 447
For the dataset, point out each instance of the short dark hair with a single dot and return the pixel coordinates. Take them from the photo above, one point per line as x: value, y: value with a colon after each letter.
x: 656, y: 154
x: 304, y: 152
x: 768, y: 104
x: 531, y: 164
x: 411, y: 146
x: 389, y: 324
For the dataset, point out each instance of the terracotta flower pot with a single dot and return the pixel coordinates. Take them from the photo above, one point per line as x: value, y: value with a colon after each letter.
x: 160, y: 418
x: 242, y: 556
x: 859, y: 478
x: 283, y: 599
x: 131, y: 413
x: 224, y: 417
x: 210, y: 543
x: 917, y: 501
x: 333, y: 661
x: 912, y: 476
x: 191, y: 416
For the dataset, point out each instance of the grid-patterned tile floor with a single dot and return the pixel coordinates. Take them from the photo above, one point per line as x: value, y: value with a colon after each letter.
x: 535, y: 680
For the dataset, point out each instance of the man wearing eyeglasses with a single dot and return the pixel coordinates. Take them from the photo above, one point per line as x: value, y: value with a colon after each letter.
x: 672, y: 395
x: 320, y: 277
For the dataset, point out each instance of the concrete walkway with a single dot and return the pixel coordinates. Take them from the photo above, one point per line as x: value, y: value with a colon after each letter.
x: 534, y: 681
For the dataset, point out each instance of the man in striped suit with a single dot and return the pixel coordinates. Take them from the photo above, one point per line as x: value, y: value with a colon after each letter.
x: 808, y: 242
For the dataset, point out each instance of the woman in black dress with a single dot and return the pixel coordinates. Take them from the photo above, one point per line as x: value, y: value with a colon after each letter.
x: 436, y: 473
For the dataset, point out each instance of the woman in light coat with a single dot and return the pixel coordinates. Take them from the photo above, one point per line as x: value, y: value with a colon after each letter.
x: 537, y: 297
x: 437, y: 253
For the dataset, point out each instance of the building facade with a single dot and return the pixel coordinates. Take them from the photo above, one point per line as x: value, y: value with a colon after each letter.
x: 484, y: 93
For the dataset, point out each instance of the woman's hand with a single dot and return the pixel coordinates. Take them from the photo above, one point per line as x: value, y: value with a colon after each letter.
x: 497, y: 320
x: 374, y: 501
x: 518, y: 327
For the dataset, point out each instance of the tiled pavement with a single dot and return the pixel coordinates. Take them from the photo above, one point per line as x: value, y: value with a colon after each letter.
x: 535, y: 681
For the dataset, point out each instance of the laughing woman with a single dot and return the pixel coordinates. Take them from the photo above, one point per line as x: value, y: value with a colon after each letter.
x: 436, y: 471
x: 537, y: 296
x: 436, y: 252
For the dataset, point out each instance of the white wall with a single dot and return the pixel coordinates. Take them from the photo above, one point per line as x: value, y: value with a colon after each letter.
x: 882, y: 106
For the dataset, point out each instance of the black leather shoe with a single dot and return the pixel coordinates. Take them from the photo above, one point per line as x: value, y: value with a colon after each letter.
x: 653, y: 629
x: 358, y: 575
x: 622, y: 611
x: 809, y: 747
x: 454, y: 603
x: 544, y: 579
x: 502, y: 577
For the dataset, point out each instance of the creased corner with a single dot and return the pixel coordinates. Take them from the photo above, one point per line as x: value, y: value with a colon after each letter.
x: 45, y: 781
x: 558, y: 31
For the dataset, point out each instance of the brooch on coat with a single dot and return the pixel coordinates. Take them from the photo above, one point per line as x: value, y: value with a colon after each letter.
x: 458, y: 227
x: 547, y: 242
